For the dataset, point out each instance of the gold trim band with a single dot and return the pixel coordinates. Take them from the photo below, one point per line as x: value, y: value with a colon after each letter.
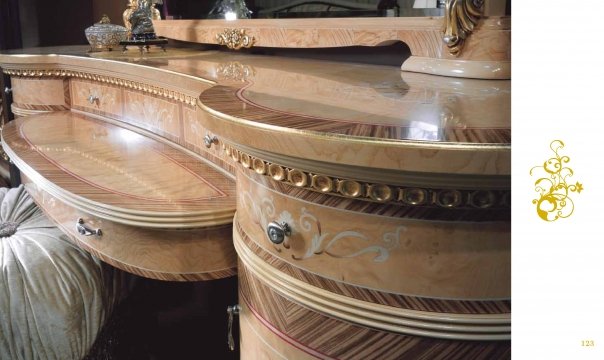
x: 381, y: 193
x: 128, y: 84
x: 382, y: 317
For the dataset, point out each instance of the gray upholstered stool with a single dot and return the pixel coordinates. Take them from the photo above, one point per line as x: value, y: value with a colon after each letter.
x: 54, y: 297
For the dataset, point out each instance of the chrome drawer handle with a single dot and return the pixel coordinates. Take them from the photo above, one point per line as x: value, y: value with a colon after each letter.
x: 277, y: 232
x: 85, y: 230
x: 92, y: 99
x: 208, y: 140
x: 232, y: 311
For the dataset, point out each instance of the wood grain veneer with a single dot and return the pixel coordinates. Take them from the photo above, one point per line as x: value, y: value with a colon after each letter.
x: 50, y: 94
x: 174, y: 255
x: 406, y: 257
x: 117, y: 174
x: 279, y: 328
x: 427, y: 211
x: 370, y: 295
x: 490, y: 41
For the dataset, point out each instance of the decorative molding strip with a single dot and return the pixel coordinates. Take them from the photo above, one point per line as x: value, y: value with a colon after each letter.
x: 128, y: 84
x: 21, y: 112
x: 381, y: 193
x: 409, y: 302
x: 235, y: 39
x: 484, y: 327
x: 461, y: 16
x: 325, y: 337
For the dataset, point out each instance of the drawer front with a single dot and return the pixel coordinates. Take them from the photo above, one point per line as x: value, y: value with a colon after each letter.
x: 40, y: 94
x: 180, y: 255
x: 152, y: 113
x: 97, y: 98
x: 362, y: 248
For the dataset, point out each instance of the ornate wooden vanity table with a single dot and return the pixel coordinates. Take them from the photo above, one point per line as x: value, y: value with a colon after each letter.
x: 365, y: 210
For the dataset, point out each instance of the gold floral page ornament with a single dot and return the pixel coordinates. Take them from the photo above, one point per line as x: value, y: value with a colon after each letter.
x: 554, y: 201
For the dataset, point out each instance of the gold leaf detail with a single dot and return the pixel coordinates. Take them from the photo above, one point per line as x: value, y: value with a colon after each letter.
x: 235, y: 39
x: 461, y: 16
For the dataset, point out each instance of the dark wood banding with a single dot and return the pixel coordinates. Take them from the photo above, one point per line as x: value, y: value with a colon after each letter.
x: 327, y: 338
x: 375, y: 296
x: 498, y: 212
x: 227, y: 100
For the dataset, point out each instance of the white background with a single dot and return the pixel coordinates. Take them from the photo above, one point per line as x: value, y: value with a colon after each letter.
x: 557, y: 93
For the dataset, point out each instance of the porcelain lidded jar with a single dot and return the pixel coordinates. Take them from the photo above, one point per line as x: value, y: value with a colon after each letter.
x: 104, y: 35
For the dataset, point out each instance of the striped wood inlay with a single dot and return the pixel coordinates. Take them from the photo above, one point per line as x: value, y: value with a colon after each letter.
x: 184, y: 255
x: 227, y: 100
x: 222, y: 189
x: 336, y: 339
x: 398, y: 210
x: 40, y: 107
x: 375, y: 296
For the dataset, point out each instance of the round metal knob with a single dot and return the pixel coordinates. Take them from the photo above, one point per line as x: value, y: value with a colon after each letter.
x: 92, y: 99
x: 209, y: 140
x: 8, y: 90
x: 277, y: 232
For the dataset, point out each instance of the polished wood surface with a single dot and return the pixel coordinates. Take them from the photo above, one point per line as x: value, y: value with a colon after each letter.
x: 277, y: 327
x: 458, y: 259
x: 396, y: 188
x: 35, y: 94
x: 436, y: 124
x: 118, y: 174
x: 490, y: 44
x: 173, y: 255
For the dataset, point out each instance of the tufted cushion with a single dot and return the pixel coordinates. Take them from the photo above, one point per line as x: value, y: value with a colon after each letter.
x: 54, y: 297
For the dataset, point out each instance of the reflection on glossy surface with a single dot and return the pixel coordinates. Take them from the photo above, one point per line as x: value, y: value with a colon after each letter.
x: 92, y: 150
x: 414, y: 106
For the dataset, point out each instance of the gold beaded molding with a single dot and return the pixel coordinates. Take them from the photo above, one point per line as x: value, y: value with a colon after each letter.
x: 129, y: 84
x: 410, y: 196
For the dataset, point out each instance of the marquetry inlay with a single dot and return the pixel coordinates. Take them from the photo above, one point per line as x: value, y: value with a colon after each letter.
x: 381, y: 193
x: 125, y: 83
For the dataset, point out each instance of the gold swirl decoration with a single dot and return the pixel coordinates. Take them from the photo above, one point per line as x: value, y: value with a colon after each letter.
x: 235, y: 39
x: 554, y: 202
x: 461, y: 16
x: 129, y: 84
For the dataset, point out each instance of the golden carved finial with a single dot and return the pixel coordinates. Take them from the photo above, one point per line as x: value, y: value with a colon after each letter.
x: 235, y: 39
x: 554, y: 201
x: 461, y: 16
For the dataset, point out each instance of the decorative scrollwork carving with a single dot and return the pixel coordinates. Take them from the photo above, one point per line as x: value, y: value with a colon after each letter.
x: 554, y: 201
x: 235, y: 39
x: 461, y: 16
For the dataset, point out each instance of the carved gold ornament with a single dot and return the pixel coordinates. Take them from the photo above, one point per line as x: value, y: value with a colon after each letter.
x: 554, y: 201
x: 104, y: 79
x: 235, y: 39
x: 461, y: 16
x: 382, y: 193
